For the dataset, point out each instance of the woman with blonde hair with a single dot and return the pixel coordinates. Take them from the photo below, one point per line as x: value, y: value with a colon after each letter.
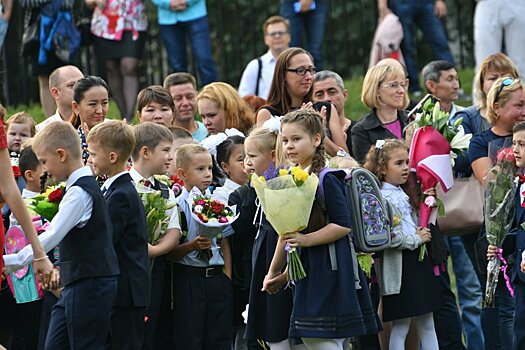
x: 385, y: 92
x: 222, y: 108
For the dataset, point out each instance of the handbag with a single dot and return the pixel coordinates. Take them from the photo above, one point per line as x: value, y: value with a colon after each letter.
x: 463, y: 207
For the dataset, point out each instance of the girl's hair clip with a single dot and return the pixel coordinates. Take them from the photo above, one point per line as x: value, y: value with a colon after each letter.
x: 380, y: 144
x: 273, y: 124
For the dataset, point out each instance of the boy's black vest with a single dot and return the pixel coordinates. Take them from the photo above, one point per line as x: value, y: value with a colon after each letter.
x: 88, y: 251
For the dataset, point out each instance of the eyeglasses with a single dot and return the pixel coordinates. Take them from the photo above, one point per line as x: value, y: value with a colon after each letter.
x: 276, y: 34
x: 505, y: 82
x: 302, y: 71
x: 395, y: 85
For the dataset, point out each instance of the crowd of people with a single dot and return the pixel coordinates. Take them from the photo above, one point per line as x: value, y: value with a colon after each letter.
x: 104, y: 282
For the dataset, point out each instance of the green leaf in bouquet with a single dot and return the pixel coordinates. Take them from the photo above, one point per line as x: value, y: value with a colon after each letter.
x: 498, y: 192
x: 47, y: 209
x: 458, y: 122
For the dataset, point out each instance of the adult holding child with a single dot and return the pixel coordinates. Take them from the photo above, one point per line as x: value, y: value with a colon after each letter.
x: 222, y: 108
x: 292, y: 88
x: 90, y: 107
x: 505, y: 108
x: 385, y: 93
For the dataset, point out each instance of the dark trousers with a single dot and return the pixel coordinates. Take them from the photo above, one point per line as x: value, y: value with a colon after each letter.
x: 519, y: 315
x: 127, y: 327
x: 48, y: 302
x: 203, y: 311
x: 157, y: 332
x: 447, y: 319
x: 80, y: 318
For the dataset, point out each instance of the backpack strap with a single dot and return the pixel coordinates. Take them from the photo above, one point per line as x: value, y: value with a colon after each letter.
x: 259, y: 74
x: 344, y: 175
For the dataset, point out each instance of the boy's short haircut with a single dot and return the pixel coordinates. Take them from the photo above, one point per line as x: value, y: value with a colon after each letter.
x: 28, y: 159
x: 149, y: 135
x: 180, y: 133
x: 113, y: 136
x: 186, y: 153
x: 520, y: 126
x: 57, y: 135
x: 22, y: 118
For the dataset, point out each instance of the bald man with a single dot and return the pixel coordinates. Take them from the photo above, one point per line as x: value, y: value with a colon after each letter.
x: 61, y: 82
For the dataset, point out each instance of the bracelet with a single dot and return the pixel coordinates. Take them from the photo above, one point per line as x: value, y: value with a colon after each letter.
x: 40, y: 259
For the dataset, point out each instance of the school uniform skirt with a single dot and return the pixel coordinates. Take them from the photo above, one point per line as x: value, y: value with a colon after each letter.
x: 420, y: 290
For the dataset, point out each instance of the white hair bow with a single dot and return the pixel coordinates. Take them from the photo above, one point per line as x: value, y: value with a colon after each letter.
x: 273, y: 124
x: 211, y: 142
x: 380, y: 144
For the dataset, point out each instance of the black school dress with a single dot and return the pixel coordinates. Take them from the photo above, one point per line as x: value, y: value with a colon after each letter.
x: 327, y: 303
x: 268, y: 315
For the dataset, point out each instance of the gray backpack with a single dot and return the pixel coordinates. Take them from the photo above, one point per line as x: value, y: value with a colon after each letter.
x: 372, y: 215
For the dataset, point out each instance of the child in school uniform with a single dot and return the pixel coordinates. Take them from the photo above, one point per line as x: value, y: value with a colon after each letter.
x: 329, y: 306
x: 203, y: 291
x: 25, y: 317
x: 110, y: 146
x: 268, y: 315
x: 152, y: 156
x: 88, y: 263
x: 515, y: 242
x: 408, y: 286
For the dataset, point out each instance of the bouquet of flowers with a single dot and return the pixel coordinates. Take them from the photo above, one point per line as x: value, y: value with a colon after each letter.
x: 211, y: 216
x: 172, y: 182
x: 434, y: 146
x: 46, y: 204
x: 155, y: 207
x: 287, y: 198
x: 501, y: 185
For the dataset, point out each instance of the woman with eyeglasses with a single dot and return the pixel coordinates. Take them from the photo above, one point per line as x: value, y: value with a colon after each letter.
x: 385, y: 92
x: 292, y: 88
x: 505, y: 106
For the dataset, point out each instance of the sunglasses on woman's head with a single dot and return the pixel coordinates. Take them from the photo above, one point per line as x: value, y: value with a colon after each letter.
x: 504, y: 83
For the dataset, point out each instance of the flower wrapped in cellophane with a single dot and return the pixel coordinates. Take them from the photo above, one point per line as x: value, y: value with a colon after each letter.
x: 156, y: 208
x: 287, y: 198
x: 500, y: 190
x: 211, y: 215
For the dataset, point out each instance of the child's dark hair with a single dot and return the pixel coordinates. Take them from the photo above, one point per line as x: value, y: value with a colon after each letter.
x: 518, y: 127
x: 310, y: 121
x: 226, y: 147
x: 377, y: 157
x: 79, y: 90
x: 28, y: 159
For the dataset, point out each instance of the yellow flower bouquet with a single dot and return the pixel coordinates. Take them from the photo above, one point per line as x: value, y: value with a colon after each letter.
x: 287, y: 198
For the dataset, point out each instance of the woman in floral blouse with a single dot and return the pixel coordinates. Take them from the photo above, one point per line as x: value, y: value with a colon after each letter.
x: 119, y: 33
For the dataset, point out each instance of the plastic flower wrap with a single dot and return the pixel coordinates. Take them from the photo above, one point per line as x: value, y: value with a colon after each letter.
x: 500, y: 190
x: 287, y: 198
x: 172, y: 182
x: 46, y: 204
x: 155, y: 207
x: 434, y: 146
x: 211, y: 216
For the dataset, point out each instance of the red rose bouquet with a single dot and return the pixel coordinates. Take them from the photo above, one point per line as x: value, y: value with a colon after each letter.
x: 46, y: 204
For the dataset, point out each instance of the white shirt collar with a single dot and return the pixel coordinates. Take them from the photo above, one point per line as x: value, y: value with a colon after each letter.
x: 136, y: 176
x: 77, y: 174
x: 388, y: 186
x: 268, y: 57
x: 112, y: 179
x: 29, y: 194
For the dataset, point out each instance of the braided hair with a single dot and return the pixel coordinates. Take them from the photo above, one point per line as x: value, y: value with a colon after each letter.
x: 310, y: 121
